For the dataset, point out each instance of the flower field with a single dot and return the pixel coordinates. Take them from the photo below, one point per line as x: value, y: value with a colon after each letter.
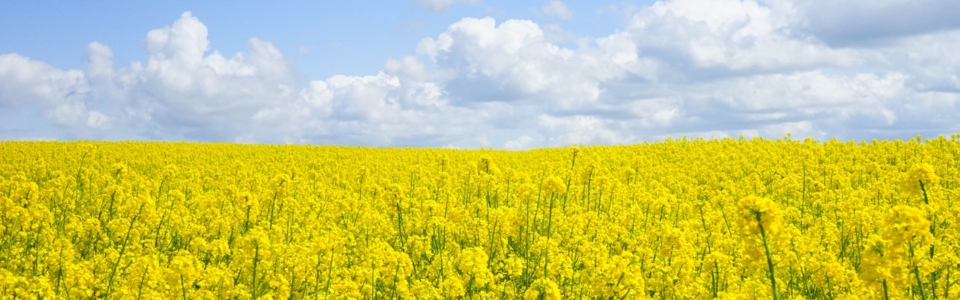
x: 679, y: 219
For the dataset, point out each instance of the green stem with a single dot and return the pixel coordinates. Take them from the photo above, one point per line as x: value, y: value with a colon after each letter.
x: 924, y: 190
x: 123, y: 249
x: 766, y: 249
x: 886, y: 294
x: 916, y: 274
x: 546, y: 253
x: 256, y: 260
x: 143, y: 277
x: 183, y: 289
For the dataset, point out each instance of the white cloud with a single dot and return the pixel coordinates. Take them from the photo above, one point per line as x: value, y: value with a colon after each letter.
x: 860, y: 22
x: 59, y: 96
x: 513, y: 62
x: 580, y: 130
x: 700, y: 68
x: 730, y: 35
x: 100, y: 61
x: 396, y: 106
x: 190, y: 93
x: 29, y: 82
x: 557, y: 9
x: 523, y: 142
x: 181, y: 91
x: 98, y: 120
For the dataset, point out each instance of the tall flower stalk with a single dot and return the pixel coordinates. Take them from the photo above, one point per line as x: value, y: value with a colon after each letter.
x: 762, y: 216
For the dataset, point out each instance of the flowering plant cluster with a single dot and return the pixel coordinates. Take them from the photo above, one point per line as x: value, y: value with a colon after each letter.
x: 678, y: 219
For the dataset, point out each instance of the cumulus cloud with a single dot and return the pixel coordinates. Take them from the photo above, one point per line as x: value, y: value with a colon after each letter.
x: 513, y: 62
x: 185, y: 88
x: 182, y: 91
x: 728, y: 37
x: 699, y: 68
x: 28, y: 86
x: 26, y: 81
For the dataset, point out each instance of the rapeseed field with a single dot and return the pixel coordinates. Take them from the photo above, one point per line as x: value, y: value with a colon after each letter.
x: 678, y: 219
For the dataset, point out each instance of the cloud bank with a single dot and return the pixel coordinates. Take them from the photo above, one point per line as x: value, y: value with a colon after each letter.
x: 698, y: 68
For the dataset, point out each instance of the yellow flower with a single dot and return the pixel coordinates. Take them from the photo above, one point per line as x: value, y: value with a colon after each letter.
x: 452, y: 287
x: 543, y: 288
x: 881, y: 263
x: 483, y: 166
x: 526, y: 191
x: 473, y: 264
x: 513, y: 266
x: 756, y: 212
x: 920, y: 177
x: 661, y: 220
x: 905, y: 223
x: 553, y: 185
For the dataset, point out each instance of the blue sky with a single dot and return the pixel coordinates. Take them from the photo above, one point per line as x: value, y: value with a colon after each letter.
x: 322, y: 38
x: 478, y: 73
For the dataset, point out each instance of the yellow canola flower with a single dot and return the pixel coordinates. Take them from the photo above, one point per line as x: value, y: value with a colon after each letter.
x: 756, y: 212
x: 920, y: 177
x: 905, y: 223
x: 526, y: 191
x: 553, y: 185
x: 543, y: 289
x: 664, y: 220
x: 453, y: 287
x: 473, y: 264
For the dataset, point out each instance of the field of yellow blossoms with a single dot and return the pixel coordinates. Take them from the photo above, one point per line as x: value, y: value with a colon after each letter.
x: 679, y: 219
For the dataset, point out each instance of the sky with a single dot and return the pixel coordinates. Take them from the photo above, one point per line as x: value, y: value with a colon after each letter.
x: 478, y: 73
